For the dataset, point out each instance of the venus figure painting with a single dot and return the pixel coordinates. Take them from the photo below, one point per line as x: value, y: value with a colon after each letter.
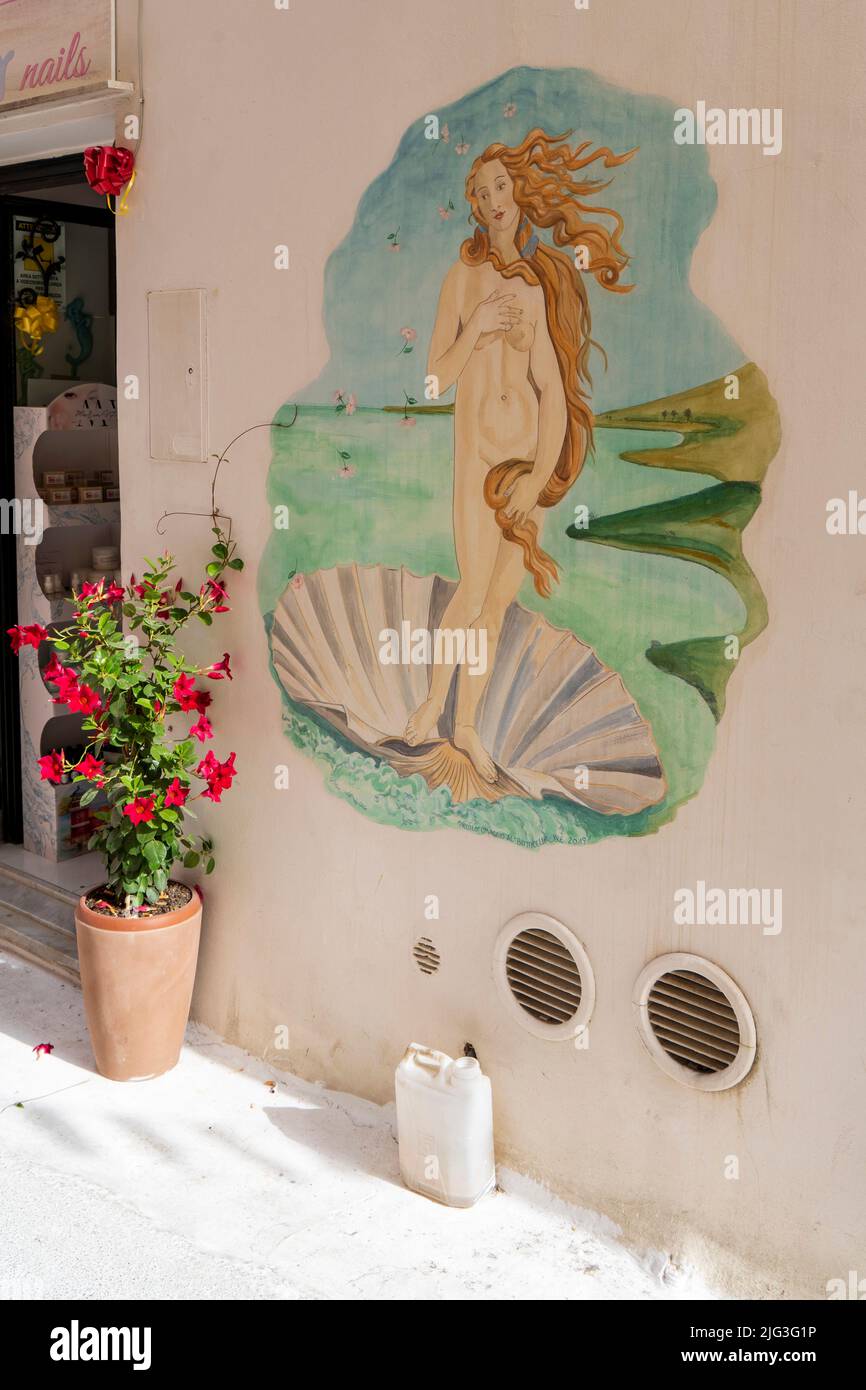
x: 511, y: 590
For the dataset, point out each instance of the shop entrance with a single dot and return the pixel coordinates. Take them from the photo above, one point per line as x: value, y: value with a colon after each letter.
x: 58, y: 463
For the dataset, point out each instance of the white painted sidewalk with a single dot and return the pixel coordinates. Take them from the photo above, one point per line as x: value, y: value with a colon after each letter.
x: 209, y: 1183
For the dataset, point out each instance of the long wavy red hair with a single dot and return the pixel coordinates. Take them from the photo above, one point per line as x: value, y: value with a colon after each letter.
x: 541, y: 171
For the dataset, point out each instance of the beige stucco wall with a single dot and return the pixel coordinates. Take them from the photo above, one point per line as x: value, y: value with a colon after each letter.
x: 267, y: 129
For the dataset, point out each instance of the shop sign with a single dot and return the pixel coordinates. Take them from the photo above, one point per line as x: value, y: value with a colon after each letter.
x: 47, y: 49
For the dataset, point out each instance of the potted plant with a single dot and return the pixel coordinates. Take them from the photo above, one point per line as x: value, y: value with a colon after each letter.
x: 138, y: 931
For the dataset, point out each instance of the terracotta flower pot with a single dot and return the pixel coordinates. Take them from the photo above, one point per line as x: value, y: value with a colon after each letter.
x: 137, y: 977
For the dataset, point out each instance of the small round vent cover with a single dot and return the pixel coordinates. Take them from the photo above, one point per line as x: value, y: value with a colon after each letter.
x: 544, y: 976
x: 695, y: 1021
x: 427, y: 958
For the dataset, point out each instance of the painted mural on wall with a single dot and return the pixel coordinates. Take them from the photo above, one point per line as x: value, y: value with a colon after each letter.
x: 506, y: 588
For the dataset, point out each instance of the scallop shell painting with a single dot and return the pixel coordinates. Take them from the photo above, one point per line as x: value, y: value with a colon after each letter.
x: 550, y: 707
x: 506, y: 589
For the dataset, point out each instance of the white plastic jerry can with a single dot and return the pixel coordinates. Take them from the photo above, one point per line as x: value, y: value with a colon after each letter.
x: 445, y: 1126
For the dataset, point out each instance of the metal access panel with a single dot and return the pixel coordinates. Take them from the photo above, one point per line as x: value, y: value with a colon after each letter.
x: 177, y: 358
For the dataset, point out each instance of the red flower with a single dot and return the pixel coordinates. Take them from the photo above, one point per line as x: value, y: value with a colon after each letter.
x: 202, y: 730
x: 136, y: 588
x: 43, y: 1047
x: 31, y: 636
x: 83, y: 700
x: 142, y: 808
x: 53, y: 671
x: 91, y: 768
x: 218, y: 775
x: 176, y: 794
x: 67, y: 686
x: 220, y: 669
x: 114, y: 593
x: 51, y: 766
x: 89, y: 590
x: 185, y: 693
x: 216, y: 594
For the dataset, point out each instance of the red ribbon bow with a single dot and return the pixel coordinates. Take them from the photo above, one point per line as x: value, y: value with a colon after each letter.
x: 108, y: 168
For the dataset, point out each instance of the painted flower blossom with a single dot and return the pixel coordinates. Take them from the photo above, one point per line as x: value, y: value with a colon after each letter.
x: 408, y: 335
x: 407, y: 420
x: 51, y: 767
x: 43, y: 1050
x: 347, y: 470
x: 352, y: 404
x: 509, y: 109
x: 297, y: 581
x: 444, y: 133
x: 462, y: 147
x: 141, y: 809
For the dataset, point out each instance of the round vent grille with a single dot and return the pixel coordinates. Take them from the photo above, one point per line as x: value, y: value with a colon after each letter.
x: 544, y: 976
x: 695, y: 1021
x: 426, y: 956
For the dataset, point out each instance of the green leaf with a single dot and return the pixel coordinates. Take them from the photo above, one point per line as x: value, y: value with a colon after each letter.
x: 206, y: 618
x: 220, y: 551
x: 154, y: 853
x: 213, y: 569
x: 236, y: 564
x: 190, y: 861
x: 88, y: 796
x: 209, y: 868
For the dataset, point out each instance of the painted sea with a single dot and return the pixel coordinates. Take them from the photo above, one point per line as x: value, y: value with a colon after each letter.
x: 372, y: 489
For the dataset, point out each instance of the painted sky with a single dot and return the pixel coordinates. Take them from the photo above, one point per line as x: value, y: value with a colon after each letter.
x: 659, y: 338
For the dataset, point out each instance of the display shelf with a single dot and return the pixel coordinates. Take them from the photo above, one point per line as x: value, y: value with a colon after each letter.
x: 78, y: 427
x: 81, y: 514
